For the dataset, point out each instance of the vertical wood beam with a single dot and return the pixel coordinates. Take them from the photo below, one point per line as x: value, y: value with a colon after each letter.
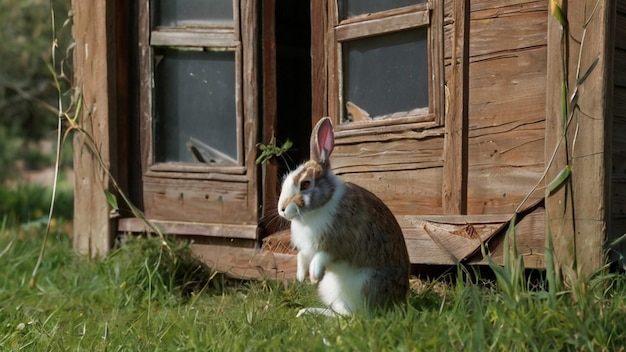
x: 269, y: 90
x: 577, y: 213
x: 455, y: 155
x: 249, y: 27
x: 93, y: 56
x: 319, y: 68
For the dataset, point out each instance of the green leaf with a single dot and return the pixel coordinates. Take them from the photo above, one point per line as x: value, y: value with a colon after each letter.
x: 557, y: 12
x: 560, y: 178
x: 111, y: 199
x: 588, y: 72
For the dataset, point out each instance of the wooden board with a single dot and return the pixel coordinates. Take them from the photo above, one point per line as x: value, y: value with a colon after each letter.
x: 578, y: 211
x: 507, y: 79
x: 220, y: 230
x: 93, y: 76
x: 431, y: 240
x: 209, y: 201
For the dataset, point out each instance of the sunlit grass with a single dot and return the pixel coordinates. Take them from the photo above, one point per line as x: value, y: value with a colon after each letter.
x: 140, y: 298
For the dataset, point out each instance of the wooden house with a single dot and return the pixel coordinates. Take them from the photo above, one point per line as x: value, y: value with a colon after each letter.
x: 451, y: 111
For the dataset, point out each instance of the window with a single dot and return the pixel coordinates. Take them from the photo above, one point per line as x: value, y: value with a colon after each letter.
x: 198, y: 115
x: 386, y: 64
x: 195, y: 51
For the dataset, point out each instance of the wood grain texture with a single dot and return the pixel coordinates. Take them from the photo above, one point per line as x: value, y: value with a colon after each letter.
x: 590, y: 152
x: 405, y: 193
x: 507, y: 89
x: 319, y: 68
x: 94, y: 79
x: 198, y: 201
x: 430, y: 239
x: 454, y: 184
x: 190, y: 229
x: 247, y: 263
x: 578, y: 211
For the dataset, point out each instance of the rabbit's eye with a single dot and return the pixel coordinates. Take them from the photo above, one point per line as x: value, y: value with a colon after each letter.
x: 304, y: 185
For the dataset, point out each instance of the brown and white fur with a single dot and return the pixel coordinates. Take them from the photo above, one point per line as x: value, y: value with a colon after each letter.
x: 347, y: 238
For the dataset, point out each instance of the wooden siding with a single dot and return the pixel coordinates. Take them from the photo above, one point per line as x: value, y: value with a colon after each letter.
x: 453, y: 177
x: 507, y: 89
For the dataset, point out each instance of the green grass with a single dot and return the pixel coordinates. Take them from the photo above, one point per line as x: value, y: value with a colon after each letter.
x: 141, y: 298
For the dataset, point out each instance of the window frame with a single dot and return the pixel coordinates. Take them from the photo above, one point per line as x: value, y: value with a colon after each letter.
x: 195, y: 37
x: 429, y: 15
x: 214, y: 201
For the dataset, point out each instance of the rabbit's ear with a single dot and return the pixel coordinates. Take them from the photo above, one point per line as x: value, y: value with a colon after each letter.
x: 322, y: 141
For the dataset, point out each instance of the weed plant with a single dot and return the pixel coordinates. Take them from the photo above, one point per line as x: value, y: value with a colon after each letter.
x: 145, y: 298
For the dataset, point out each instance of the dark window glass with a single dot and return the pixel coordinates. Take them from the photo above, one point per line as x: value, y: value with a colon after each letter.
x: 192, y: 12
x: 195, y: 106
x: 386, y: 74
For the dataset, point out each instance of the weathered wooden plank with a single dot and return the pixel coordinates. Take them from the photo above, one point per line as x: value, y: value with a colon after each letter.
x: 384, y: 25
x: 507, y: 88
x: 530, y: 234
x: 246, y: 263
x: 386, y: 13
x: 506, y: 29
x: 197, y: 201
x: 137, y: 225
x: 405, y: 193
x: 319, y: 68
x: 434, y: 240
x: 379, y: 156
x: 508, y: 6
x: 578, y: 211
x: 250, y: 115
x: 224, y: 38
x: 94, y: 63
x: 269, y: 171
x: 559, y: 203
x: 454, y: 184
x: 506, y: 130
x: 590, y: 156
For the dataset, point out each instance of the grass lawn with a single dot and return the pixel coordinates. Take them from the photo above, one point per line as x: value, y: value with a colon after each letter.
x: 141, y: 298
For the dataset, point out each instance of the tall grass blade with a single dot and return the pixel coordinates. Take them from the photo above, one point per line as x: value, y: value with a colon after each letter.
x: 551, y: 269
x: 588, y: 72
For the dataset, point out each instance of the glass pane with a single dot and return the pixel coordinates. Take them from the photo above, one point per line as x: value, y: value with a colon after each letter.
x: 195, y: 117
x: 351, y: 8
x: 385, y: 74
x: 192, y: 12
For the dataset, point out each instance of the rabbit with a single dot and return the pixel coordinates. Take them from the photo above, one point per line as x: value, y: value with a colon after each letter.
x: 348, y: 240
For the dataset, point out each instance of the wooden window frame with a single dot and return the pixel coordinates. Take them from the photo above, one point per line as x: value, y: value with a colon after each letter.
x: 428, y: 14
x: 210, y: 37
x: 200, y: 199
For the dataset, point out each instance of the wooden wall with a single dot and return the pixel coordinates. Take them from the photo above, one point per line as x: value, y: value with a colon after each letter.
x: 507, y: 100
x: 503, y: 141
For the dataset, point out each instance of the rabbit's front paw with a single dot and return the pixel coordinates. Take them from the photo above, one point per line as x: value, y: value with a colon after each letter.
x: 318, y: 266
x: 303, y: 262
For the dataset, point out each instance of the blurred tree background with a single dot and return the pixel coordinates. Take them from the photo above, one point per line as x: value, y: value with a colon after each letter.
x: 28, y: 97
